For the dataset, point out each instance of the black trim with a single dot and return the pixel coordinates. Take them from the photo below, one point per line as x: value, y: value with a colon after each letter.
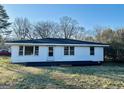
x: 62, y: 63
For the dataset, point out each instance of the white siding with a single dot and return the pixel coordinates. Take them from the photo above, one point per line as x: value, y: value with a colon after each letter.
x: 43, y: 52
x: 81, y: 54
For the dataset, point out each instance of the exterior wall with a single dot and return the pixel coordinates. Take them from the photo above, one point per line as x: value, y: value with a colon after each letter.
x: 81, y: 54
x: 43, y: 51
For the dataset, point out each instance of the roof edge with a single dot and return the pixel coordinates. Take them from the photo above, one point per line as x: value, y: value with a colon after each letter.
x: 45, y: 44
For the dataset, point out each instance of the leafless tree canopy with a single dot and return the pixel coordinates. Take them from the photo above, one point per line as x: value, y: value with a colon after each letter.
x: 46, y: 29
x: 68, y: 26
x: 22, y: 28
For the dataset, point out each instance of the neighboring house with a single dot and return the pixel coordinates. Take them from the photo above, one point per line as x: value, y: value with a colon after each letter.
x: 56, y: 51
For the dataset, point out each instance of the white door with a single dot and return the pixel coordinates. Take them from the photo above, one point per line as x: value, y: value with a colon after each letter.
x: 50, y: 53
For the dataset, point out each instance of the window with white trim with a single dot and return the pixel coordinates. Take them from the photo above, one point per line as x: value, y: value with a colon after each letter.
x: 71, y: 50
x: 28, y: 50
x: 68, y: 50
x: 50, y: 51
x: 20, y: 50
x: 92, y: 51
x: 36, y: 50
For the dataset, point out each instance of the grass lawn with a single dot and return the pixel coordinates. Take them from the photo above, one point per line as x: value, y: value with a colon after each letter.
x: 19, y: 76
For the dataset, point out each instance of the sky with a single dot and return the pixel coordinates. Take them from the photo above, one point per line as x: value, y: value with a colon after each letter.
x: 87, y: 15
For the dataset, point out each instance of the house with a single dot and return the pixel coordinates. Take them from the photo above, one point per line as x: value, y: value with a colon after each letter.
x: 56, y: 51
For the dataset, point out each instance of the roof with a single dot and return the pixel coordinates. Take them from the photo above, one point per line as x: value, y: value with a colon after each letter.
x: 55, y: 41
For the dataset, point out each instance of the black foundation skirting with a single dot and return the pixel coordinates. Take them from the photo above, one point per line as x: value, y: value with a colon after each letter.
x: 62, y: 63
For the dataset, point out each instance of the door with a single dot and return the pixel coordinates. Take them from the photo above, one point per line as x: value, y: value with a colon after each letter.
x: 50, y: 53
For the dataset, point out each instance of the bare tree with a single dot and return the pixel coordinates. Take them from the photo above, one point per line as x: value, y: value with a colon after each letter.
x: 46, y: 29
x: 98, y: 30
x: 104, y: 34
x: 89, y: 38
x: 80, y: 34
x: 22, y: 28
x: 68, y: 26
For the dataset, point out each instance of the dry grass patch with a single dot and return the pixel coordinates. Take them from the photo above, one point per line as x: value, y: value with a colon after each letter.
x: 86, y: 81
x: 19, y: 76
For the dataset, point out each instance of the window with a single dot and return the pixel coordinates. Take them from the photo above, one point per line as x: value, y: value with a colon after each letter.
x: 36, y: 50
x: 28, y: 50
x: 20, y: 50
x: 50, y: 51
x: 71, y: 50
x: 91, y: 50
x: 68, y: 50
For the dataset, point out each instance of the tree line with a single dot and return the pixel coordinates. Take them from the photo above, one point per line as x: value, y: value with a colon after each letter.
x: 66, y: 27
